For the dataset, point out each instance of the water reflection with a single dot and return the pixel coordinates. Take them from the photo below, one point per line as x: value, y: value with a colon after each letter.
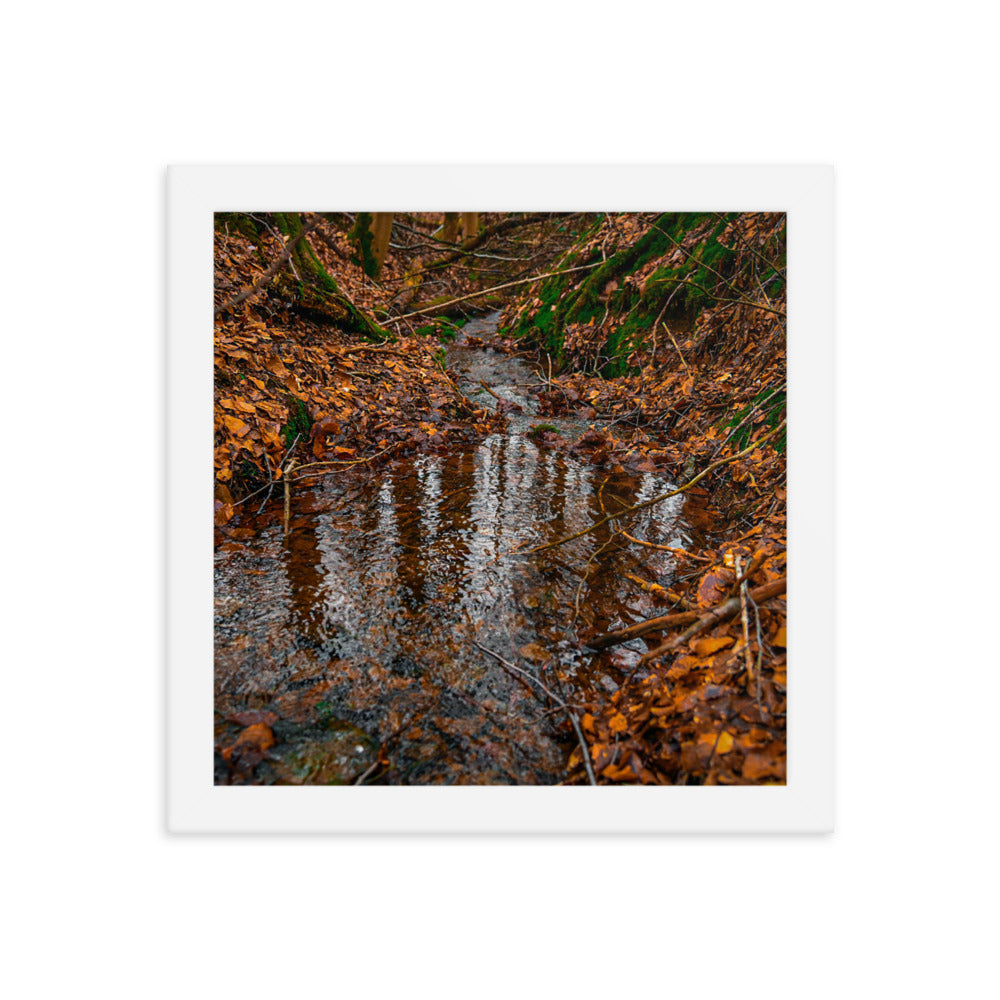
x: 368, y: 612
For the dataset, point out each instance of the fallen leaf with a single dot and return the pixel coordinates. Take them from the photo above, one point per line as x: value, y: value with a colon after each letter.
x: 534, y: 652
x: 705, y: 647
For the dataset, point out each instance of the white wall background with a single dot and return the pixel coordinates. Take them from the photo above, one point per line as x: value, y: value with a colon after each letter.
x: 100, y: 97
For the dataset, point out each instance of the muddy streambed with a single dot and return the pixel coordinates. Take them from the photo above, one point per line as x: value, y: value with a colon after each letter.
x: 362, y: 631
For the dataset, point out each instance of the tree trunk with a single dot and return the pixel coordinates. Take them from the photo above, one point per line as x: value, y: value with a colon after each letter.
x: 470, y: 224
x: 315, y: 291
x: 449, y: 232
x: 381, y: 233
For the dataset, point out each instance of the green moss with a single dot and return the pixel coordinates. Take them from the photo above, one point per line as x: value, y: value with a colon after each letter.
x: 236, y: 222
x: 316, y: 293
x: 693, y: 281
x: 773, y: 410
x: 537, y: 430
x: 360, y: 235
x: 299, y: 421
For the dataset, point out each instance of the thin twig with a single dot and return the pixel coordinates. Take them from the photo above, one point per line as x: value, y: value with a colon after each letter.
x: 728, y: 285
x: 664, y: 548
x: 666, y: 496
x: 486, y: 291
x: 744, y: 617
x: 687, y: 367
x: 499, y: 399
x: 341, y: 464
x: 760, y: 645
x: 584, y: 749
x: 274, y: 232
x: 270, y: 483
x: 771, y: 264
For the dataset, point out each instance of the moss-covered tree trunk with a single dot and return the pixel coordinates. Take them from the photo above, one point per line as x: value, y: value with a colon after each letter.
x: 317, y: 293
x: 680, y: 288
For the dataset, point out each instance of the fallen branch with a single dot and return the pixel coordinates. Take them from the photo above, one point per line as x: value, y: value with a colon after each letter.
x: 725, y: 610
x: 486, y: 291
x: 288, y: 495
x: 664, y: 622
x: 470, y: 243
x: 283, y: 259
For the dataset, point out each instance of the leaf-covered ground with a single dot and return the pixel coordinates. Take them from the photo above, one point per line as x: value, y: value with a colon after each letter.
x: 665, y: 331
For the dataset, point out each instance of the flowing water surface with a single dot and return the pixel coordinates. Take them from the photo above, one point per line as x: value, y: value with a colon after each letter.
x: 366, y: 627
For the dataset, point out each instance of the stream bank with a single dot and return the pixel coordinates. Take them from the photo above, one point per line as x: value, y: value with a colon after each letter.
x: 662, y: 349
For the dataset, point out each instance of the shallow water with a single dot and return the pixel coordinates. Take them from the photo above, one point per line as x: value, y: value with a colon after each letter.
x: 363, y: 628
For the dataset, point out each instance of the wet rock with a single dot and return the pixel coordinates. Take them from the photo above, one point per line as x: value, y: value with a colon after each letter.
x: 457, y: 704
x: 405, y: 667
x: 624, y: 659
x: 336, y: 757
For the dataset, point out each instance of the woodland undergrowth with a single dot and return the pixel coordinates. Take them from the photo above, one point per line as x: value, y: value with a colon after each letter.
x: 666, y: 332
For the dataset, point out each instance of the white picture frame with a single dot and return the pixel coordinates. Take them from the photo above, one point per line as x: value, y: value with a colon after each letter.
x: 804, y: 804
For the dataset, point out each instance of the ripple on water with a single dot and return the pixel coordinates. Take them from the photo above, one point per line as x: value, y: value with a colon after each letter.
x: 364, y: 620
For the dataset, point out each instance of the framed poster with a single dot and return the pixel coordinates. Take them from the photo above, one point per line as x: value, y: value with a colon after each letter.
x: 482, y: 521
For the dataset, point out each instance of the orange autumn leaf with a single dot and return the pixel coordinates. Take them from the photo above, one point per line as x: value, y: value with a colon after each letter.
x: 276, y: 368
x: 705, y: 647
x: 618, y: 723
x: 714, y: 586
x: 724, y: 745
x: 235, y: 425
x: 618, y: 772
x: 257, y: 739
x: 761, y: 764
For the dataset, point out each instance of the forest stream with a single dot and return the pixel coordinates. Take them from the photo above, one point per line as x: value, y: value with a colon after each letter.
x: 393, y: 635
